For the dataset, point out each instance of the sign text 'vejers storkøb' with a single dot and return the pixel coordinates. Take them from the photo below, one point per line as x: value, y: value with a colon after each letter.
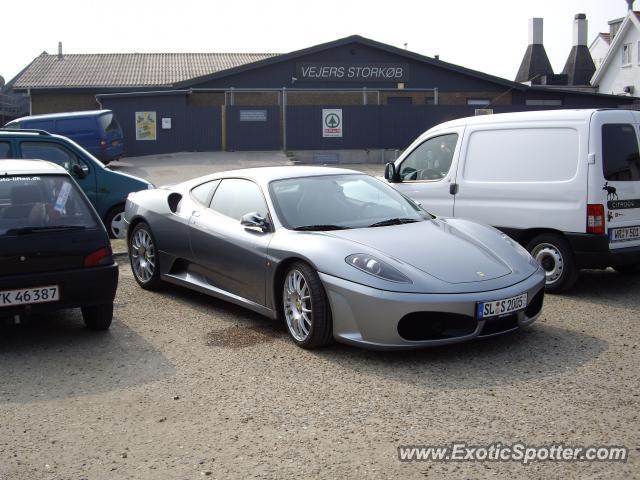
x: 352, y: 72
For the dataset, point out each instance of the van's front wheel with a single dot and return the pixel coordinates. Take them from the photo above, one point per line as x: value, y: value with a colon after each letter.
x: 554, y: 254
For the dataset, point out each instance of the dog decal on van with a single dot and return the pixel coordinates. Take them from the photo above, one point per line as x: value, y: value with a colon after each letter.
x: 611, y: 191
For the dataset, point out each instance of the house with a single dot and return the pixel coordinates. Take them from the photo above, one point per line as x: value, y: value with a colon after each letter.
x: 619, y: 71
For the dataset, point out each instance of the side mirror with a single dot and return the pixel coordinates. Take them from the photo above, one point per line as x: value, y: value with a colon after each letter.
x: 390, y: 173
x: 254, y: 220
x: 80, y: 171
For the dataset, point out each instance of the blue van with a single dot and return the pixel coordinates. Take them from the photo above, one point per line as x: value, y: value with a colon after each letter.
x: 97, y: 131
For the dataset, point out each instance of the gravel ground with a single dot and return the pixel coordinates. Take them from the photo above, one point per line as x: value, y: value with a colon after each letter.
x: 185, y: 386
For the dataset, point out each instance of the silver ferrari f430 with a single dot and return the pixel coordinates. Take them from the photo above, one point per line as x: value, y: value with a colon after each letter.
x: 336, y: 254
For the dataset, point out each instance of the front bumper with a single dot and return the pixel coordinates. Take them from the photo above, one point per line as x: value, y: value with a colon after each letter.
x: 78, y: 288
x: 369, y: 317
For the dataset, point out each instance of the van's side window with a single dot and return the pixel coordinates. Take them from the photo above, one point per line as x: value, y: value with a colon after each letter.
x: 620, y: 156
x: 431, y: 160
x: 4, y: 150
x: 51, y: 152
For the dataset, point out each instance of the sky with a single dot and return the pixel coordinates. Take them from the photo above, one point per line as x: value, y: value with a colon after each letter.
x: 486, y: 35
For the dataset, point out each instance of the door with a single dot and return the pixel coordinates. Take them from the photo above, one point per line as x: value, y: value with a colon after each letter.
x: 427, y: 172
x: 619, y: 176
x: 232, y: 256
x: 61, y: 155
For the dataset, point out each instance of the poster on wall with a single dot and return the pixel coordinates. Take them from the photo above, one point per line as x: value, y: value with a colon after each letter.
x: 331, y: 122
x: 145, y: 125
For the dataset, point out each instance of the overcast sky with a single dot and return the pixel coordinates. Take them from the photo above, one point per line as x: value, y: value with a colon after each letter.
x: 485, y: 35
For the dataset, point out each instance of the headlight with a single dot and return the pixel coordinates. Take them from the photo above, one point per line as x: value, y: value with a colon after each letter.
x: 373, y: 266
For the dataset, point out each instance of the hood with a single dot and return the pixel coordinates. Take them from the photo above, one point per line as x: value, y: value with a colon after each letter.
x: 440, y: 248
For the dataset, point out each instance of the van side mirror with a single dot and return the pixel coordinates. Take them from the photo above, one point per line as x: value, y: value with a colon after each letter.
x: 254, y: 220
x: 80, y: 171
x: 390, y: 173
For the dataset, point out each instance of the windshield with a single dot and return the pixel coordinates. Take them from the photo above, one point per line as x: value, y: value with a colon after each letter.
x: 38, y: 203
x: 331, y: 202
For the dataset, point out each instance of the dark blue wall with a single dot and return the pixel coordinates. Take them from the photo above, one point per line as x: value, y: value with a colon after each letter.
x: 192, y: 128
x: 253, y: 135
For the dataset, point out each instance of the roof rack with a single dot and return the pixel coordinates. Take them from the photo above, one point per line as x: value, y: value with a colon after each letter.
x: 26, y: 130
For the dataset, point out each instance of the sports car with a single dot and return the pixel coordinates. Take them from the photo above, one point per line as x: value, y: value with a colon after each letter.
x: 334, y: 253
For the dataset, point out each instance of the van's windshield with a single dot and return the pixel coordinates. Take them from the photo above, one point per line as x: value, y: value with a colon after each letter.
x: 36, y: 203
x: 620, y: 156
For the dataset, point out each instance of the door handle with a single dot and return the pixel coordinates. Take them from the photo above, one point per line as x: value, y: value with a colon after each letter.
x: 453, y: 188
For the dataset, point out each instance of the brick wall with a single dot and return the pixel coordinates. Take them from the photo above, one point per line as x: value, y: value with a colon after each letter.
x: 62, y: 102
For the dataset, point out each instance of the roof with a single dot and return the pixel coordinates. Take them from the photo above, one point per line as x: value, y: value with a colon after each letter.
x: 632, y: 19
x: 264, y: 175
x: 532, y: 116
x: 122, y: 70
x: 48, y: 116
x: 535, y: 64
x: 346, y: 41
x: 29, y: 167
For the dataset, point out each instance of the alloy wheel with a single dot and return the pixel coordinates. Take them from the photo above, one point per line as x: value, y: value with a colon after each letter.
x: 298, y: 309
x: 143, y: 255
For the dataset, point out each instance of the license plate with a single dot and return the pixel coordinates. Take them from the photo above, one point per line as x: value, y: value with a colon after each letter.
x: 624, y: 234
x: 27, y: 296
x: 502, y: 307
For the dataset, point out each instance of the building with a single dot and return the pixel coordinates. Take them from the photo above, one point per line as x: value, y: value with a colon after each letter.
x: 619, y: 71
x: 599, y: 48
x: 380, y: 96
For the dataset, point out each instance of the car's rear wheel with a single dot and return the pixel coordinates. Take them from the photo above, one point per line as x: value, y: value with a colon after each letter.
x: 116, y: 226
x: 98, y: 317
x: 554, y: 254
x: 305, y: 308
x: 143, y: 257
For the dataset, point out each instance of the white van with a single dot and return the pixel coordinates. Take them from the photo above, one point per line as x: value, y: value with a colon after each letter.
x: 563, y: 183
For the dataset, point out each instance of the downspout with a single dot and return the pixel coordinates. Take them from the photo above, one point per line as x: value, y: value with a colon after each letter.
x: 30, y: 103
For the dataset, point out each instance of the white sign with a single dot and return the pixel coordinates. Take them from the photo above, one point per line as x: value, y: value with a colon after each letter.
x: 166, y: 123
x: 332, y: 122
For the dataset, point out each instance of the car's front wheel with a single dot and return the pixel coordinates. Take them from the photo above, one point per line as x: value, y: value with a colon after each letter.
x: 143, y: 257
x: 116, y: 226
x: 98, y: 317
x: 305, y: 307
x: 553, y: 252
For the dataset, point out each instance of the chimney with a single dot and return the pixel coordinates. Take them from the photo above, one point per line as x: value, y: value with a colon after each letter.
x: 579, y: 67
x: 535, y: 31
x: 535, y: 63
x: 580, y: 29
x: 60, y: 57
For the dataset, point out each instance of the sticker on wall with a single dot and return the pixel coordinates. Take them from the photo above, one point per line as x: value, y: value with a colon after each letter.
x: 145, y: 125
x: 166, y: 123
x: 332, y: 122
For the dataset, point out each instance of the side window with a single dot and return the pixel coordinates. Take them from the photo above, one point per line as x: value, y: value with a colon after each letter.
x: 620, y: 157
x: 51, y: 152
x: 431, y: 160
x: 5, y: 149
x: 236, y: 197
x: 203, y: 192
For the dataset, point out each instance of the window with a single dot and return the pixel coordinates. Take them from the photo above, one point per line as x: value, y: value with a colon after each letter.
x: 431, y: 160
x: 203, y: 193
x: 620, y: 158
x: 399, y: 100
x: 522, y: 155
x: 108, y: 122
x: 626, y: 54
x: 42, y: 201
x: 479, y: 101
x: 236, y: 197
x: 51, y: 152
x: 5, y: 149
